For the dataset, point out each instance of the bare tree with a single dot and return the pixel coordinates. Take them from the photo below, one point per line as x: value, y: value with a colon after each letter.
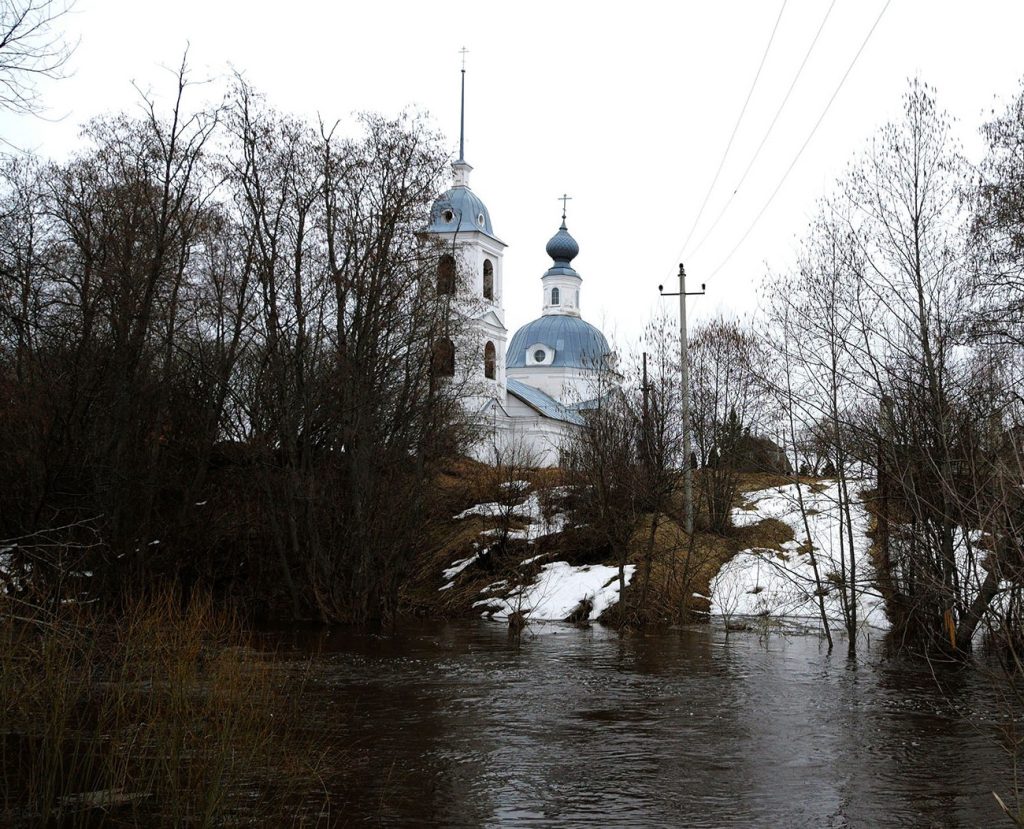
x: 912, y: 308
x: 31, y: 49
x: 358, y: 355
x: 730, y: 404
x: 997, y: 230
x: 889, y: 373
x: 510, y: 466
x: 623, y: 465
x: 229, y: 305
x: 657, y: 383
x: 602, y: 462
x: 787, y: 328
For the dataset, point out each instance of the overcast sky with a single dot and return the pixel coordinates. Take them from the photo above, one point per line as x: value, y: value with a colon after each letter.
x: 627, y: 107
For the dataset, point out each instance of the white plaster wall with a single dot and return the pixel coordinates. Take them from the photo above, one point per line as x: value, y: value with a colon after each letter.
x: 541, y: 438
x: 568, y: 300
x: 471, y: 249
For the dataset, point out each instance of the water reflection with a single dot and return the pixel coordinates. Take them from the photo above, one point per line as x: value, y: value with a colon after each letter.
x: 452, y: 725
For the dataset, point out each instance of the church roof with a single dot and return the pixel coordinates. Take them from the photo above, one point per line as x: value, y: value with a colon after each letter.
x: 460, y: 210
x: 577, y: 344
x: 562, y: 248
x: 543, y: 403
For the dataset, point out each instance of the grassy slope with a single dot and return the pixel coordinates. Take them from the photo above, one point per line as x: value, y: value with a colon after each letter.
x: 677, y: 570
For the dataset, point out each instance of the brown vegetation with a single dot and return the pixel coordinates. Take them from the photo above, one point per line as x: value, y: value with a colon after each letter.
x: 673, y: 589
x: 161, y: 715
x: 216, y: 335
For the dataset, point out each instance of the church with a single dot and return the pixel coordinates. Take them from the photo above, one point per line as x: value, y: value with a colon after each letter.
x: 528, y: 393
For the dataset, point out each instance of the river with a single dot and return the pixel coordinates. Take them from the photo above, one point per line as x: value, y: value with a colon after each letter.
x: 453, y: 725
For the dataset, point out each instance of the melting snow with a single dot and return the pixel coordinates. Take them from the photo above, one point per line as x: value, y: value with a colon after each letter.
x: 529, y: 511
x: 767, y: 582
x: 558, y: 591
x: 458, y: 566
x: 559, y: 588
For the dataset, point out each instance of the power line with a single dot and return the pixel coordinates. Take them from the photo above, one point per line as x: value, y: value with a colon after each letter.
x: 735, y: 129
x: 803, y: 146
x: 771, y: 126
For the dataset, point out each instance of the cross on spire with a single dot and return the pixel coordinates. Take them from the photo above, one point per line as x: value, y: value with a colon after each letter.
x: 563, y: 199
x: 463, y: 51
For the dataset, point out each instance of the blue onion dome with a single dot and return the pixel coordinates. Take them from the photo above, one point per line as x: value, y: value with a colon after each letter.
x: 574, y: 343
x: 562, y: 247
x: 460, y: 210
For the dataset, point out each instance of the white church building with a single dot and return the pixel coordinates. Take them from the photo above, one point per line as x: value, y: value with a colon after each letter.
x: 528, y: 392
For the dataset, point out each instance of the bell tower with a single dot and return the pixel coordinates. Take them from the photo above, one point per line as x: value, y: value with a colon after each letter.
x: 462, y: 223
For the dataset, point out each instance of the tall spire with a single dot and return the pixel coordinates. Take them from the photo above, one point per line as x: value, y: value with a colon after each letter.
x: 462, y: 168
x: 462, y: 109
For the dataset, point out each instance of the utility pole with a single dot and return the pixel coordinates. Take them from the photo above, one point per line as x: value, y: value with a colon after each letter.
x: 684, y: 360
x: 645, y: 441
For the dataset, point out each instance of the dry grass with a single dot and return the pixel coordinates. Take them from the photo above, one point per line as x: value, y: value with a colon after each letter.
x: 679, y: 568
x: 769, y: 533
x: 451, y: 541
x: 461, y: 484
x: 159, y: 716
x: 682, y: 571
x: 547, y: 478
x: 465, y: 482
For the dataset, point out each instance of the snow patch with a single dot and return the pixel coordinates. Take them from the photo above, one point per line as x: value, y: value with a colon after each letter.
x: 763, y: 582
x: 529, y: 511
x: 558, y: 590
x: 458, y: 566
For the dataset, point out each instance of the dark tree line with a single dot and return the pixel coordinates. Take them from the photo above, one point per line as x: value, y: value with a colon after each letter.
x: 216, y: 340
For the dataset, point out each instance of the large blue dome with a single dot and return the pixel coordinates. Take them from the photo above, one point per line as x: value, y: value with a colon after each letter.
x: 577, y: 344
x: 460, y: 209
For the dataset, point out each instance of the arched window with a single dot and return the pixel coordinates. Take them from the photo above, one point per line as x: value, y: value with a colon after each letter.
x: 488, y: 279
x: 490, y: 360
x: 446, y: 274
x: 554, y: 296
x: 443, y: 358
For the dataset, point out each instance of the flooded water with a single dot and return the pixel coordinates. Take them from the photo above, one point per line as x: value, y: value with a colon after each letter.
x: 451, y: 725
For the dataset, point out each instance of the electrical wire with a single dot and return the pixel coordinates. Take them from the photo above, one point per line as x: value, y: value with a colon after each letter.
x: 735, y: 129
x: 803, y: 146
x: 768, y: 132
